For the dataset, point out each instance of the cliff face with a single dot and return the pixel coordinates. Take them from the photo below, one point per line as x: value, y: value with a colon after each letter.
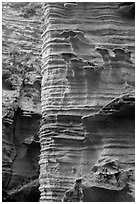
x: 87, y: 65
x: 85, y: 101
x: 21, y: 89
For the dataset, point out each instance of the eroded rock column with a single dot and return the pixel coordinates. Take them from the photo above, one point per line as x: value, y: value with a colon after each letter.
x: 87, y: 63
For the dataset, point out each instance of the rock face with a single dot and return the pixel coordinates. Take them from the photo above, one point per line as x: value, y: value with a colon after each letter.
x: 87, y: 129
x: 85, y: 101
x: 21, y: 83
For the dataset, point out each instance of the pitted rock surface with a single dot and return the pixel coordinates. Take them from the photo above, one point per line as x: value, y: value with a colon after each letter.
x: 68, y: 101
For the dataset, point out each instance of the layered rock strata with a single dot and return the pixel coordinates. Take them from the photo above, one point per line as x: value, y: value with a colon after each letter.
x: 21, y: 89
x: 78, y: 121
x: 87, y: 64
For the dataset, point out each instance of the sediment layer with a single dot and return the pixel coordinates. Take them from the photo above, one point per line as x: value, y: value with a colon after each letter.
x: 87, y: 62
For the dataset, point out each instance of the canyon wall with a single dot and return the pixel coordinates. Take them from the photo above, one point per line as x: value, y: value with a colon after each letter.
x: 68, y: 102
x: 87, y: 128
x: 21, y: 97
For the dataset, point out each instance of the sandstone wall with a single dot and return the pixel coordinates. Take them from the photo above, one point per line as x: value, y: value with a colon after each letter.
x: 68, y: 101
x: 21, y: 95
x: 87, y: 64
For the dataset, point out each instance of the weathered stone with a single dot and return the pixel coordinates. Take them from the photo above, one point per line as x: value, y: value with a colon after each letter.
x: 88, y: 64
x: 21, y: 82
x: 76, y: 92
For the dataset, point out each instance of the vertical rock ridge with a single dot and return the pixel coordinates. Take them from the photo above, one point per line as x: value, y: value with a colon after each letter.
x: 87, y: 58
x: 68, y: 101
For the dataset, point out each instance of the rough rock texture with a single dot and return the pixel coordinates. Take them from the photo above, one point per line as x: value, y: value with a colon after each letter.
x: 21, y: 84
x: 87, y: 128
x: 82, y: 109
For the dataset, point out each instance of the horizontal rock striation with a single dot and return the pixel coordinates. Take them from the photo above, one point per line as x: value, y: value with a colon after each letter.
x: 113, y: 128
x: 21, y: 89
x: 68, y: 82
x: 87, y: 64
